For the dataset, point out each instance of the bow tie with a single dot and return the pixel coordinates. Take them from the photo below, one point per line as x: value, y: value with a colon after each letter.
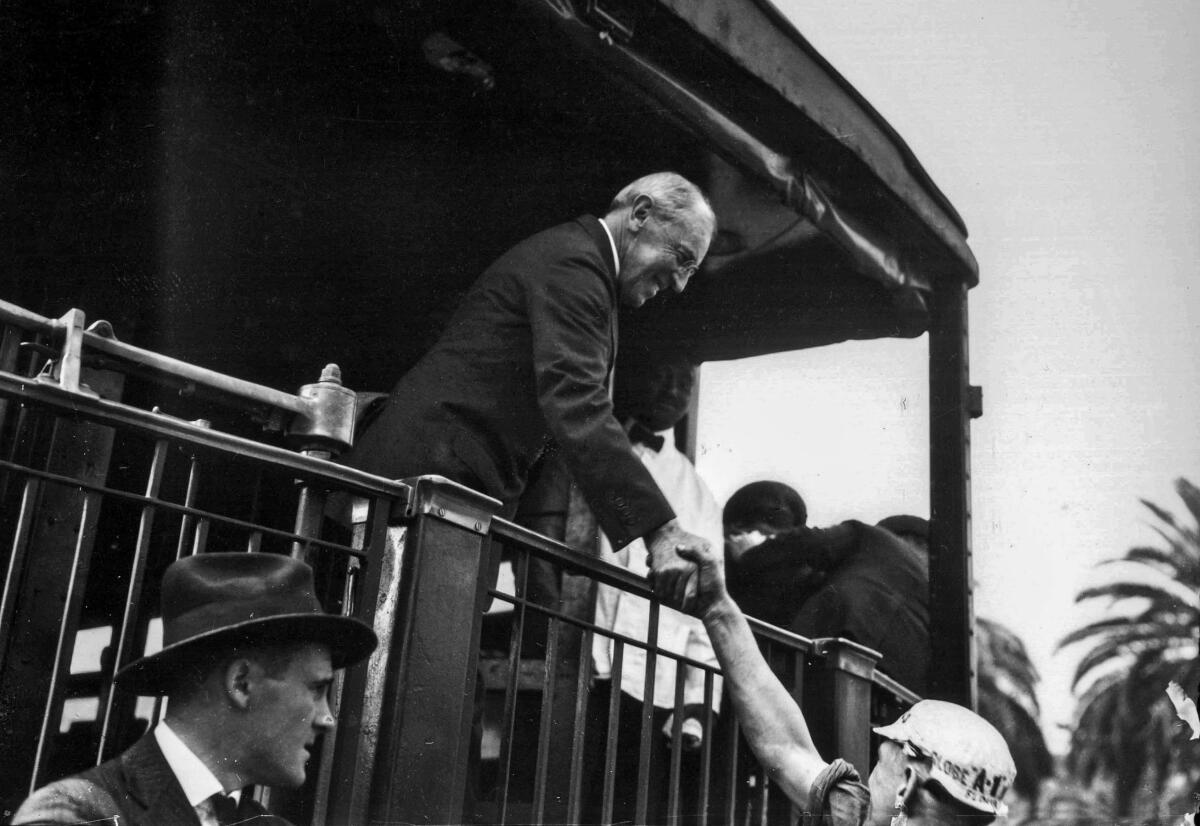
x: 224, y: 808
x: 640, y: 433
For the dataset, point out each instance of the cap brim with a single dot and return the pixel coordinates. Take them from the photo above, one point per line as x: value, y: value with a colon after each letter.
x: 349, y: 640
x: 889, y: 731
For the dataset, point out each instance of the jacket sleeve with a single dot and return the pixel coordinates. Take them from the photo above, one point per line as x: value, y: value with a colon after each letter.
x: 72, y: 800
x: 571, y: 319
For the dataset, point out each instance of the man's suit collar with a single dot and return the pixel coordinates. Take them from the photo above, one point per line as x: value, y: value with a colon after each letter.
x: 152, y: 785
x: 591, y: 225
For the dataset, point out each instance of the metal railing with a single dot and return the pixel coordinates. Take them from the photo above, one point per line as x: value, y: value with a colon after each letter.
x: 98, y: 495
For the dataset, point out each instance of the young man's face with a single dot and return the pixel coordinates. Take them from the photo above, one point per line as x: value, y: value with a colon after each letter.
x: 289, y: 710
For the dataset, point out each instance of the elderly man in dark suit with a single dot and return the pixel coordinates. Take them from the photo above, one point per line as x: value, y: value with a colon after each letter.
x: 246, y: 665
x: 525, y: 363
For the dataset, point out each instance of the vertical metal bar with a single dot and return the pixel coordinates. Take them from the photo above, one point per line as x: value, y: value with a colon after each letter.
x: 129, y: 618
x: 575, y: 791
x: 951, y: 603
x: 10, y: 340
x: 731, y: 785
x: 200, y: 541
x: 508, y: 721
x: 254, y: 540
x: 647, y: 733
x: 676, y: 744
x: 759, y: 806
x: 545, y: 725
x: 16, y: 564
x: 310, y: 511
x: 68, y: 624
x: 320, y: 806
x: 706, y: 747
x: 189, y: 500
x: 364, y: 686
x: 610, y: 737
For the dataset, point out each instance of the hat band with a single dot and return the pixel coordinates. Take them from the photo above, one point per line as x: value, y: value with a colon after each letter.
x: 217, y: 616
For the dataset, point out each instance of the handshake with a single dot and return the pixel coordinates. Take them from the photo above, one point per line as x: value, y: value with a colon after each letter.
x: 686, y: 572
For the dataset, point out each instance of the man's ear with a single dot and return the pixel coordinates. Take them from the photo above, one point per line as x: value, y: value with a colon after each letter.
x: 640, y: 212
x: 237, y: 682
x: 912, y: 779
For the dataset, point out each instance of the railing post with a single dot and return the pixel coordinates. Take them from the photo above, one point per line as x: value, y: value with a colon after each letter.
x: 838, y: 706
x: 347, y: 796
x: 425, y: 746
x: 43, y: 591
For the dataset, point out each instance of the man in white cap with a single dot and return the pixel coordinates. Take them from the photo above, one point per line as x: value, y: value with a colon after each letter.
x: 247, y: 660
x: 937, y: 765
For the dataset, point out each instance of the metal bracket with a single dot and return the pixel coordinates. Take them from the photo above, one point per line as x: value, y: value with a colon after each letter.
x: 847, y: 655
x: 458, y: 504
x: 974, y: 401
x: 67, y: 370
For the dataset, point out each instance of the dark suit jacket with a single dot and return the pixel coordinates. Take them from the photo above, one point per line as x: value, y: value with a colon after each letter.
x: 876, y: 592
x: 137, y: 785
x: 525, y: 361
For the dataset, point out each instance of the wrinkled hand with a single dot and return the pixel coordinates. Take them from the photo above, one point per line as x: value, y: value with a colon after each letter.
x: 672, y: 576
x: 710, y: 579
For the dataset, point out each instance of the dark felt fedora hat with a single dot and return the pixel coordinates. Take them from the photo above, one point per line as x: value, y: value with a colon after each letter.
x: 228, y: 598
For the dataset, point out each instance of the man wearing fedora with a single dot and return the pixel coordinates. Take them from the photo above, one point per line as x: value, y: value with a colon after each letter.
x: 247, y: 660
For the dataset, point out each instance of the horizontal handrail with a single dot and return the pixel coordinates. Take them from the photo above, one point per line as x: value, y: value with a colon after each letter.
x: 147, y: 360
x: 174, y: 507
x: 888, y: 684
x: 587, y: 625
x: 609, y: 574
x: 158, y: 425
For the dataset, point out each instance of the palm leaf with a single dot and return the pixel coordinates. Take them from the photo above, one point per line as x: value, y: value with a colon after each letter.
x: 1126, y: 734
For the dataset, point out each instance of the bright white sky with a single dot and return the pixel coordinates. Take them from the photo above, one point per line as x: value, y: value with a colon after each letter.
x: 1064, y: 133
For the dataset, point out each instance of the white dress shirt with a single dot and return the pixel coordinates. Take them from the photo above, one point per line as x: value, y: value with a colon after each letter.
x: 698, y: 512
x: 612, y: 243
x: 197, y: 780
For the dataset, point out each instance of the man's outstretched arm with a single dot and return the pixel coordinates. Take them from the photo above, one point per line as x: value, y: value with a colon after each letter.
x: 771, y: 721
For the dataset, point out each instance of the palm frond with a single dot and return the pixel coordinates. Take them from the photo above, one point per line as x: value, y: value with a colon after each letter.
x: 1126, y: 590
x: 1126, y: 733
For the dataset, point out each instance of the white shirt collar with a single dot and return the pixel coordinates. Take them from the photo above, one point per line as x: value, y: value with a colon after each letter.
x: 612, y: 243
x: 197, y: 780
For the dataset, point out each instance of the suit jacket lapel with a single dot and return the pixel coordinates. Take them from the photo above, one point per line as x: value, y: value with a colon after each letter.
x: 152, y: 786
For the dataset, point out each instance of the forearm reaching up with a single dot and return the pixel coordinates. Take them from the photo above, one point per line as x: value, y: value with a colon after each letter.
x: 771, y: 721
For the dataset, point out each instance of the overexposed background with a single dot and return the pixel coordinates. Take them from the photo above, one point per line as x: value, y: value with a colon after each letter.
x: 1064, y: 134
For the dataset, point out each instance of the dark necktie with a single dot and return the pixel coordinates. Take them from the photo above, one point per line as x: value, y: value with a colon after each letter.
x: 225, y: 808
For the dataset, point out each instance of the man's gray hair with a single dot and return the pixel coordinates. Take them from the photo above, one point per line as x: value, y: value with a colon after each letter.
x: 672, y: 195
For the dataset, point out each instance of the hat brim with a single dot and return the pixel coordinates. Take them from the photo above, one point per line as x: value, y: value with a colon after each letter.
x: 349, y: 640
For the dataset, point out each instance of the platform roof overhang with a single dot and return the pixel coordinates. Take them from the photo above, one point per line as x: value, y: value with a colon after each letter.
x: 262, y: 189
x: 789, y: 138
